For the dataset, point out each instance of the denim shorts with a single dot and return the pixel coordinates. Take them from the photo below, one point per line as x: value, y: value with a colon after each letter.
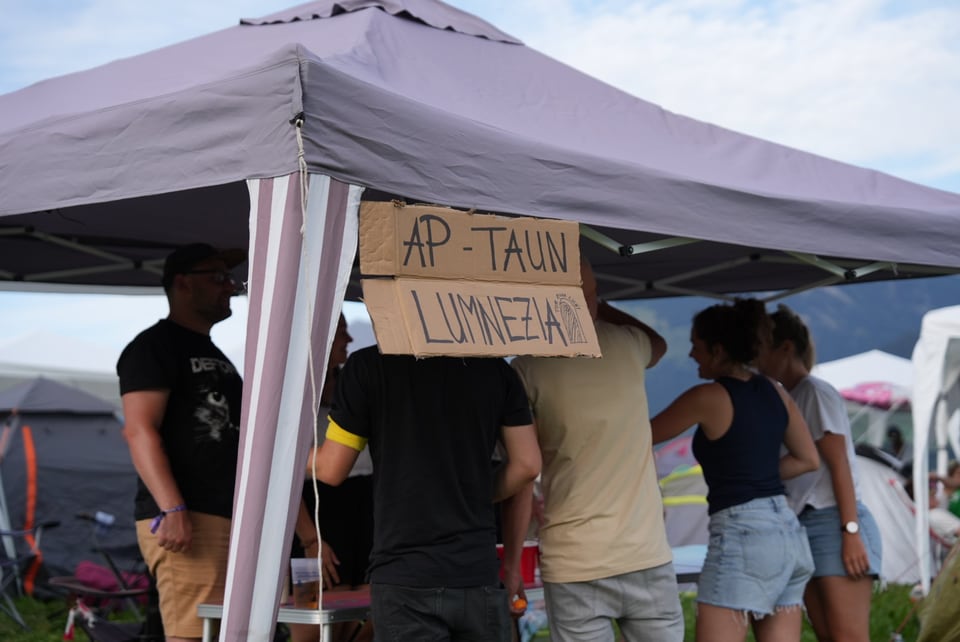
x: 758, y: 559
x: 826, y: 539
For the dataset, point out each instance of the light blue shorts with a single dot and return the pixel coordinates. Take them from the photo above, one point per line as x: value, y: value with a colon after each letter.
x: 758, y: 559
x: 826, y: 539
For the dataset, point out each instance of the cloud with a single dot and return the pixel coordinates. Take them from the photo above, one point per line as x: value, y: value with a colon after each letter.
x: 49, y: 38
x: 869, y: 82
x: 107, y: 321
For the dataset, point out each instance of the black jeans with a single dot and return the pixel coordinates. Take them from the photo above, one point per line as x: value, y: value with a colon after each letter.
x: 407, y: 614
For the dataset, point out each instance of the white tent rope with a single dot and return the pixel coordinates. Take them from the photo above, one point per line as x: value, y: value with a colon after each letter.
x: 314, y: 396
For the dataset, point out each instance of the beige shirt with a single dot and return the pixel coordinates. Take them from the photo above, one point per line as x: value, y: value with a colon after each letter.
x: 602, y: 504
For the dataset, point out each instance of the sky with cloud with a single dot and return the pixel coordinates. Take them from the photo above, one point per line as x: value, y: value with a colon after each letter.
x: 870, y: 82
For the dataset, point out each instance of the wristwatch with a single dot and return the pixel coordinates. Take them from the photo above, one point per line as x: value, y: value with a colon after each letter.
x: 851, y: 527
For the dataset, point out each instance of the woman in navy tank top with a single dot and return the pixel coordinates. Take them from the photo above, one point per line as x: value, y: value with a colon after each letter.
x: 750, y: 437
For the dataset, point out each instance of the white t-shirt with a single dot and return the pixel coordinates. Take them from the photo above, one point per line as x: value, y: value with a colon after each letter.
x: 945, y: 524
x: 824, y: 411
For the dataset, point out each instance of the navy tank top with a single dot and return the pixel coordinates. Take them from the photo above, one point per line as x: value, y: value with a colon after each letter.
x: 744, y: 463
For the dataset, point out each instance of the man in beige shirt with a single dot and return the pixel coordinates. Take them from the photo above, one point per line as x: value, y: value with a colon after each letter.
x: 605, y: 555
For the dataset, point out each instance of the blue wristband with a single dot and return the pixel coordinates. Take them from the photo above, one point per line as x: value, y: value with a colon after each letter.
x: 155, y: 524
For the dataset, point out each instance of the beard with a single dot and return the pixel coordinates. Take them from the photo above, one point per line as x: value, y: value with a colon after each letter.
x: 216, y: 311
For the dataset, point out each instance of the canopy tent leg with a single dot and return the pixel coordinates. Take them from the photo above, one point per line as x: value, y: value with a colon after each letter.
x: 289, y: 331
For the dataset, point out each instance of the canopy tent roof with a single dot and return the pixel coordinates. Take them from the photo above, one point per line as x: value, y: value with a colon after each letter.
x: 103, y: 171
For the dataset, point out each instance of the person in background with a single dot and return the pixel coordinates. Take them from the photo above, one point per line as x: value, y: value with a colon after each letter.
x: 432, y: 426
x: 951, y: 485
x: 942, y: 522
x: 843, y: 535
x: 605, y: 556
x: 896, y: 446
x: 345, y: 518
x: 181, y: 405
x: 758, y: 559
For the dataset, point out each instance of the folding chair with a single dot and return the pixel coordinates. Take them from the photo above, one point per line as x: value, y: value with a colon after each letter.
x: 86, y: 602
x: 20, y: 558
x: 94, y: 623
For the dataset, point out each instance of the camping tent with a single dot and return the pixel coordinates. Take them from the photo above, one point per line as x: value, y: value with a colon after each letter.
x: 876, y: 384
x: 880, y: 490
x: 936, y: 405
x: 267, y: 134
x: 685, y: 516
x: 68, y: 361
x: 61, y: 453
x: 873, y: 365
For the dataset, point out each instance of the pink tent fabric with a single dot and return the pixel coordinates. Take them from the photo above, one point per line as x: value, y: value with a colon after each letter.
x: 880, y: 394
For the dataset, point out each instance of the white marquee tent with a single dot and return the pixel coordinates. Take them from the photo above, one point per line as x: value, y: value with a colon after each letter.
x: 936, y: 406
x: 876, y: 384
x: 865, y: 367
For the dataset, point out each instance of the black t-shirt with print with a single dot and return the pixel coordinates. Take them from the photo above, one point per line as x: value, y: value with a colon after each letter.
x: 201, y: 426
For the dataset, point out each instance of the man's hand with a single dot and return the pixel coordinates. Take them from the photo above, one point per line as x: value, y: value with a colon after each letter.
x: 513, y: 582
x: 175, y: 533
x: 329, y: 565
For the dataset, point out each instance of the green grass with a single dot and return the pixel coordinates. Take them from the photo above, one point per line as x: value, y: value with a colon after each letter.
x: 46, y: 620
x: 890, y: 608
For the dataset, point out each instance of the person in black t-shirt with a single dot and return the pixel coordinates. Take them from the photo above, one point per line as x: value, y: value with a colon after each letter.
x: 432, y: 425
x: 181, y: 404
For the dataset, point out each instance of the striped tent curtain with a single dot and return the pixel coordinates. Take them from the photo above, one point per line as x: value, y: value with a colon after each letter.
x: 302, y: 247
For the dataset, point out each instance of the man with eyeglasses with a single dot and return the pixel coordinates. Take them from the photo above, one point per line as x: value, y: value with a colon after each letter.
x: 181, y: 405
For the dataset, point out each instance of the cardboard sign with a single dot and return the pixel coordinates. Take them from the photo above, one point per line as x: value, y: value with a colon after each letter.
x: 439, y: 242
x: 464, y: 284
x: 431, y: 317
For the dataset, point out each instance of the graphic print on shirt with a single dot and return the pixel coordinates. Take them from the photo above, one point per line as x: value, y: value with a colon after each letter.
x: 212, y: 413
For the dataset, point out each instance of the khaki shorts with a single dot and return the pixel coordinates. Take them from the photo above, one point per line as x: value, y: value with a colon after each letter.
x: 187, y: 580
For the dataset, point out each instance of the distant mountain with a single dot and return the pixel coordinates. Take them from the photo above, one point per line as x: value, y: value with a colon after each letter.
x: 844, y: 320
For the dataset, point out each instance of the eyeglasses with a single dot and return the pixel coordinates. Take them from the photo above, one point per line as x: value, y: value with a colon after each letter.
x: 219, y: 276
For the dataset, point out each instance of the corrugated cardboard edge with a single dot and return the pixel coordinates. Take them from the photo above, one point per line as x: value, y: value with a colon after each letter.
x: 389, y: 327
x: 378, y: 223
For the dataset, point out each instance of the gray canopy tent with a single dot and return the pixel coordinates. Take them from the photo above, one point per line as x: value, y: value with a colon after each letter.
x: 266, y: 135
x: 61, y: 453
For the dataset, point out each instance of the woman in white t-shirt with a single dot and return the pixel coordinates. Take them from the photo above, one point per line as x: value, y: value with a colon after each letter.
x: 843, y: 535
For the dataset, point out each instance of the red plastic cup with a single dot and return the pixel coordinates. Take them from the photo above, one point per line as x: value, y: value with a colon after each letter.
x: 529, y: 560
